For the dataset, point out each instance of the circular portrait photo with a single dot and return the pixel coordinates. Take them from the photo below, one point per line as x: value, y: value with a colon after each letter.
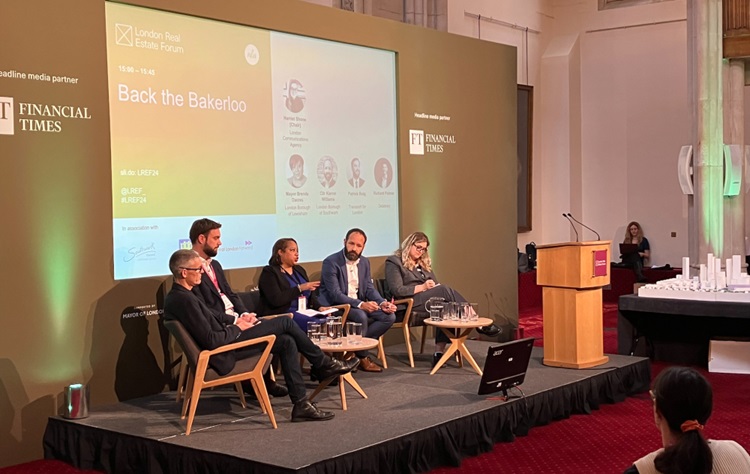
x: 297, y: 168
x: 383, y: 172
x: 355, y: 174
x: 294, y: 96
x: 327, y: 172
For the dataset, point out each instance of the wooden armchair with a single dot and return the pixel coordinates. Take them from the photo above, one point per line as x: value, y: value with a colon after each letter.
x: 404, y: 320
x: 200, y: 375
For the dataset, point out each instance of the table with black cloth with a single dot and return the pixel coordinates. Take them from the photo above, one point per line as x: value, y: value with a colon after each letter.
x: 677, y: 330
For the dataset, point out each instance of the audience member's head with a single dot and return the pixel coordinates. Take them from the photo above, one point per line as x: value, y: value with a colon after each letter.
x: 413, y: 251
x: 683, y: 401
x: 633, y: 230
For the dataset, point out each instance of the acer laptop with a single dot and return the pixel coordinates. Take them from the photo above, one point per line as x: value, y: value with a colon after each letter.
x: 506, y: 366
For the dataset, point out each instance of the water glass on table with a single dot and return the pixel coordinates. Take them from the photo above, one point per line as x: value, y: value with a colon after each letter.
x: 333, y: 329
x: 314, y: 331
x: 473, y: 311
x: 354, y: 333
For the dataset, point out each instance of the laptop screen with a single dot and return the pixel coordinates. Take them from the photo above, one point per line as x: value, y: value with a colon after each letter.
x: 506, y: 365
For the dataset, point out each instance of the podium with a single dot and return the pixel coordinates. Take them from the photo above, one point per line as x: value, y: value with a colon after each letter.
x: 572, y: 275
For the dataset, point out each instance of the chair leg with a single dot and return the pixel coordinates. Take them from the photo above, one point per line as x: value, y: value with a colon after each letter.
x: 182, y: 378
x: 407, y: 338
x: 424, y: 336
x: 238, y: 387
x: 381, y: 353
x: 262, y: 394
x: 186, y: 396
x: 194, y: 396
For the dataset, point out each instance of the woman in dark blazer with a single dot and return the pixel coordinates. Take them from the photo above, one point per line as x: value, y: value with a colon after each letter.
x: 283, y: 283
x: 409, y: 275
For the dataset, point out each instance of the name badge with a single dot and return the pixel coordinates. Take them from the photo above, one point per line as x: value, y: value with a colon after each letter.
x: 301, y: 303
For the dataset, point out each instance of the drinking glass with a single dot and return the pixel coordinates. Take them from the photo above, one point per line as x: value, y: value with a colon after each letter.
x: 473, y: 311
x: 435, y: 314
x: 333, y: 329
x: 314, y: 331
x: 354, y: 333
x: 464, y: 310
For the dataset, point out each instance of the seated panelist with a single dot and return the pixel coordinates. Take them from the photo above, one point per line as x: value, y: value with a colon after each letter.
x: 284, y: 285
x: 409, y: 275
x: 212, y: 329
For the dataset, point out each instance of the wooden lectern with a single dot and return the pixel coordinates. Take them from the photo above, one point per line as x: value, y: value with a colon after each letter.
x: 572, y: 275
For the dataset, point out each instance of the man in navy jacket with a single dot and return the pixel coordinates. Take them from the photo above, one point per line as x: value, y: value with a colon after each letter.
x: 346, y: 279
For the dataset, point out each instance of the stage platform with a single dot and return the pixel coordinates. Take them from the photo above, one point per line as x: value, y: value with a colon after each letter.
x: 411, y: 422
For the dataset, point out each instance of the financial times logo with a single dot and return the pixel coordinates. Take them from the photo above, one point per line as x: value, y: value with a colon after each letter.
x: 416, y: 142
x: 6, y: 116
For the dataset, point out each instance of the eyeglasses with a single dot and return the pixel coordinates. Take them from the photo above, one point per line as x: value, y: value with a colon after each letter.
x: 420, y: 249
x: 196, y: 269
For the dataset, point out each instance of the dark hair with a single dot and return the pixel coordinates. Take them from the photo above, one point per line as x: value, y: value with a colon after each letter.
x: 355, y: 231
x: 682, y: 394
x: 294, y: 159
x: 202, y: 227
x: 280, y: 244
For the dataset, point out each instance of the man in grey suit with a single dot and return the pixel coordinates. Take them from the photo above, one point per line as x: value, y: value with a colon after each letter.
x: 346, y: 279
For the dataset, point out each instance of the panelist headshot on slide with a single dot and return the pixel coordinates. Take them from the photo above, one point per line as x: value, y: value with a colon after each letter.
x: 294, y: 96
x: 327, y: 172
x: 297, y: 165
x: 383, y: 173
x: 356, y: 180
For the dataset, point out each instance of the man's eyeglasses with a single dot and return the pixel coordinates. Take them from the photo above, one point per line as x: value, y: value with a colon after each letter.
x: 196, y: 269
x: 420, y: 248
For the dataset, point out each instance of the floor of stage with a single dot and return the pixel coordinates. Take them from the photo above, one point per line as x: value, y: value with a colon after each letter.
x: 412, y: 421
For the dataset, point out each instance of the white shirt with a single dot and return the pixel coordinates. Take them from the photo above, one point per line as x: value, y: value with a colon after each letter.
x: 352, y: 277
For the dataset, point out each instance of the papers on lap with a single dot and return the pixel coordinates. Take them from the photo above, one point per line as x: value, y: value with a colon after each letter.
x: 313, y: 313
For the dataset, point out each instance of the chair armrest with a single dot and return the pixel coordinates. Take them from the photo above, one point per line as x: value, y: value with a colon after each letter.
x: 409, y: 302
x: 281, y: 315
x: 239, y: 345
x: 345, y: 308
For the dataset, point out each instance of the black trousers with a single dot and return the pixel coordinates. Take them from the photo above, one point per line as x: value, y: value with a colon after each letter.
x: 290, y: 342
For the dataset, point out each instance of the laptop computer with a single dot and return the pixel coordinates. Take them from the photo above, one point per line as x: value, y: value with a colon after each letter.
x: 627, y: 249
x: 506, y: 366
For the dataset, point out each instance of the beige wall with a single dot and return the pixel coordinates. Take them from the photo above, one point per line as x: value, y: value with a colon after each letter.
x: 616, y: 160
x: 62, y: 311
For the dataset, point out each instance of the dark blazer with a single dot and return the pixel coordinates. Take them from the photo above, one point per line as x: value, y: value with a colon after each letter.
x: 401, y: 281
x: 277, y: 294
x: 210, y: 329
x: 334, y: 287
x: 210, y: 295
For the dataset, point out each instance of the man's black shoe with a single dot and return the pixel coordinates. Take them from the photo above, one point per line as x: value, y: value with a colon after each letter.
x: 490, y: 330
x: 273, y: 389
x: 334, y: 367
x: 305, y: 411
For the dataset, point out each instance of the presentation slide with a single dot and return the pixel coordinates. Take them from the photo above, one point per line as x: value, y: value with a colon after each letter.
x: 271, y: 134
